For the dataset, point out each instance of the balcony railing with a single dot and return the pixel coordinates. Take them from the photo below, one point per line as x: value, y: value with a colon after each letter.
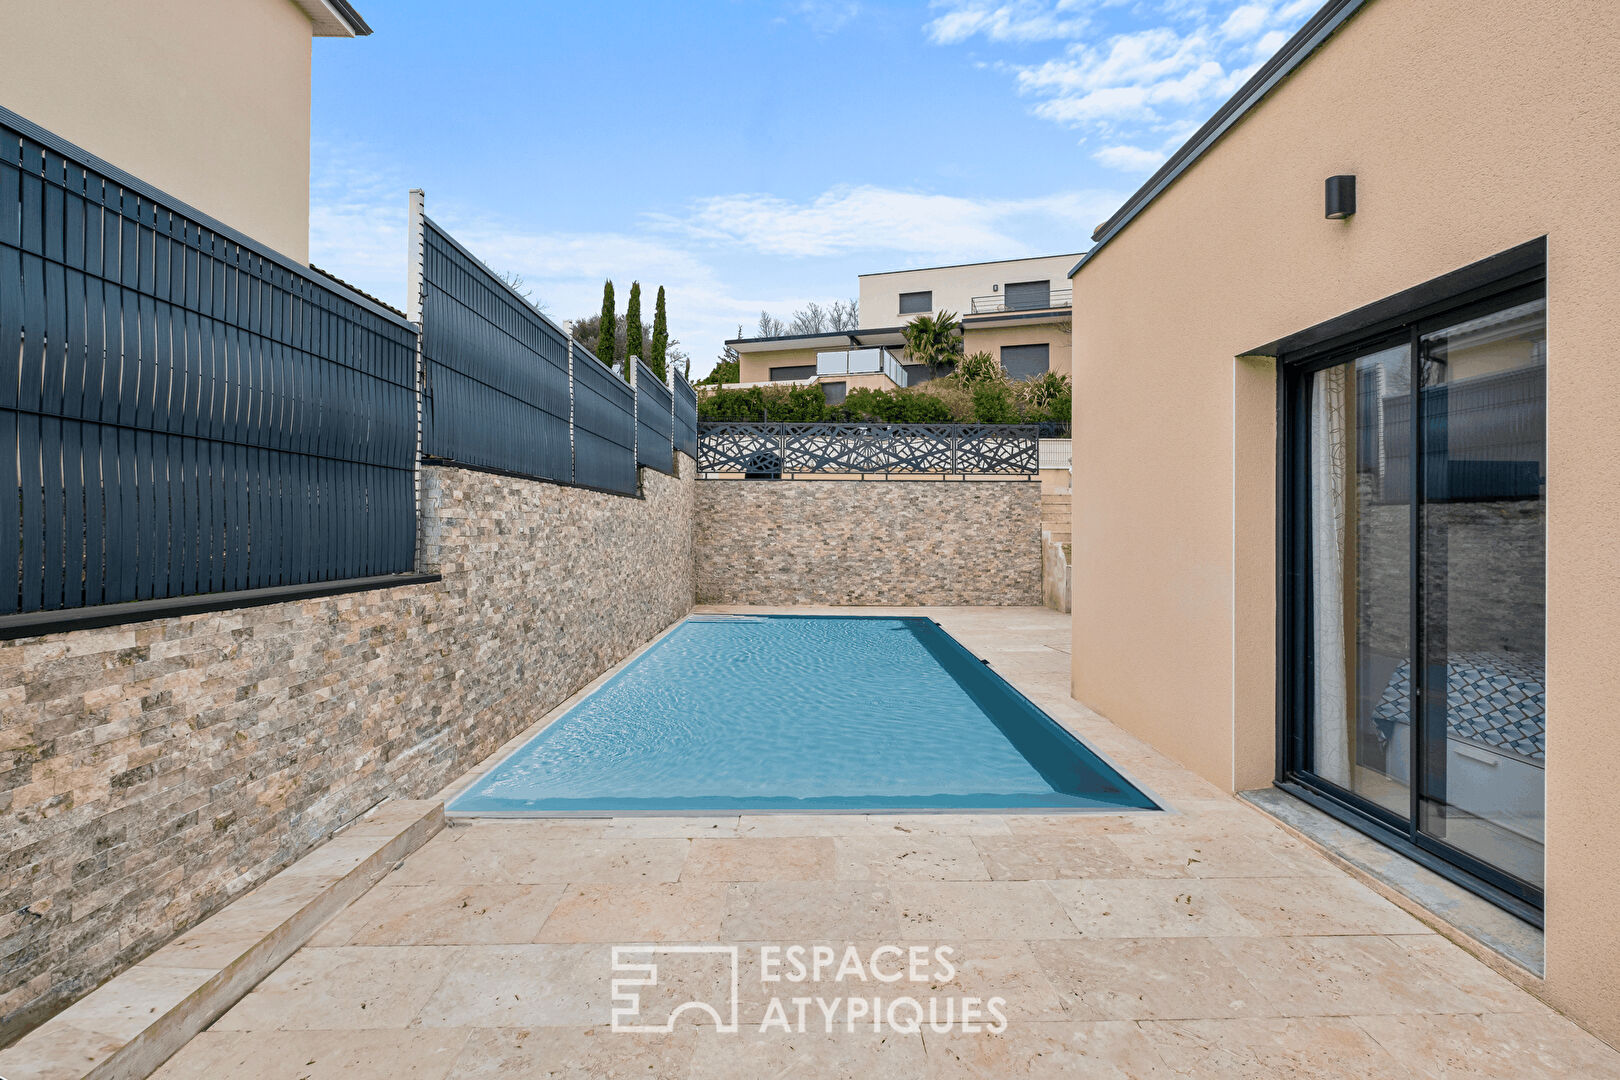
x: 990, y: 305
x: 873, y: 361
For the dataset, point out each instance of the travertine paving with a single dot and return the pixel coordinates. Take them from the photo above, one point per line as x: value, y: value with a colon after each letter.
x: 1199, y: 943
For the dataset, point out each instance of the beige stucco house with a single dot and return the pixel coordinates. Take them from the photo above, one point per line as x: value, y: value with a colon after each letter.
x: 1346, y: 471
x: 213, y: 98
x: 1017, y: 310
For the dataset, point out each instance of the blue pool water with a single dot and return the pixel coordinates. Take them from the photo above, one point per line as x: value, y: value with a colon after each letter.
x: 795, y: 712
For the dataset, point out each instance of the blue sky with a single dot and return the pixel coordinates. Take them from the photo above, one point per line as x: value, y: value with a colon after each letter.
x: 751, y: 154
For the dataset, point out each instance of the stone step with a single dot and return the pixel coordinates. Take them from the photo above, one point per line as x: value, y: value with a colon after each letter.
x: 133, y: 1023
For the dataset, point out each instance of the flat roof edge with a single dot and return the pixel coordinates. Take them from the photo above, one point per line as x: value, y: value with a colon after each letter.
x: 1295, y: 52
x: 954, y: 266
x: 811, y: 337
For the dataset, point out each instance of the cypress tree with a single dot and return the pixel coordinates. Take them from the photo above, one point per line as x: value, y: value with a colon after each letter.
x: 634, y: 344
x: 660, y: 338
x: 605, y: 332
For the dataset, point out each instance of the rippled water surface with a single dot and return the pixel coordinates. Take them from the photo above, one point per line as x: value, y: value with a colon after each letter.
x: 771, y: 712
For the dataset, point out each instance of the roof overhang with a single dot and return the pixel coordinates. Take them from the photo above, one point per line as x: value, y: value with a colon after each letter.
x: 1295, y: 52
x: 334, y: 18
x: 842, y: 339
x: 1016, y: 318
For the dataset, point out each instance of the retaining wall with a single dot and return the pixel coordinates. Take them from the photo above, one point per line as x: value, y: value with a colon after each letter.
x: 924, y: 542
x: 151, y: 772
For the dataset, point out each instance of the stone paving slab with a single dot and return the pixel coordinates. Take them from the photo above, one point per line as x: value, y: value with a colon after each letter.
x: 1200, y: 942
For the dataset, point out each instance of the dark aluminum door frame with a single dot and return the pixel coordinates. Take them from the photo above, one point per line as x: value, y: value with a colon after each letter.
x: 1294, y: 648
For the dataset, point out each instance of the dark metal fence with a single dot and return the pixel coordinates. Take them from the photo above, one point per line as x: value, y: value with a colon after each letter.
x: 495, y: 386
x: 655, y: 420
x: 1006, y: 451
x: 504, y: 388
x: 685, y: 417
x: 186, y: 410
x: 604, y: 426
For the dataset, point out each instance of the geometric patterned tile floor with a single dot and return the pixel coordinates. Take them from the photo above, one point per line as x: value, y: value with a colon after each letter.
x: 1201, y: 943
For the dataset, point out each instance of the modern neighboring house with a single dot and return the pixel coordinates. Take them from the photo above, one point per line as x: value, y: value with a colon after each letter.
x: 1346, y: 468
x: 1017, y: 310
x: 212, y: 103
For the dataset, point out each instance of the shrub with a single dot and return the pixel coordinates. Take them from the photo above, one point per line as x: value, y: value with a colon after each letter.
x: 1061, y: 408
x: 993, y: 403
x: 797, y: 404
x: 954, y: 395
x: 1041, y: 392
x: 978, y: 368
x: 902, y: 406
x: 723, y: 404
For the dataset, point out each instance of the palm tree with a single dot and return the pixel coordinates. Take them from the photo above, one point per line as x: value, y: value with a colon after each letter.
x: 934, y: 340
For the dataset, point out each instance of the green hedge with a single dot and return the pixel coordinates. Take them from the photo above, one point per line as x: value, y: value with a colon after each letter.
x: 941, y: 401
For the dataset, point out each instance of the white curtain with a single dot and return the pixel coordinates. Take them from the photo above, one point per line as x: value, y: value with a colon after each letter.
x: 1330, y: 475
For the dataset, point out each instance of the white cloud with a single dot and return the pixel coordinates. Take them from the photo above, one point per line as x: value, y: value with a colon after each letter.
x: 826, y: 17
x: 1018, y: 20
x: 1245, y: 21
x: 876, y: 219
x: 1145, y: 77
x: 1129, y: 158
x: 1270, y: 42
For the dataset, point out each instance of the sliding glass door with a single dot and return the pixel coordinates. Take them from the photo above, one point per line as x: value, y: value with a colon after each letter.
x: 1415, y: 574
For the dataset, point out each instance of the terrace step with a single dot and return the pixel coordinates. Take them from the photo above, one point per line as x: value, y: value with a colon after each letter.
x: 134, y: 1022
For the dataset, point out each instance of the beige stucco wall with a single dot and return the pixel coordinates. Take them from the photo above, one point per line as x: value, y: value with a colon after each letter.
x: 756, y: 367
x: 1055, y: 334
x: 953, y: 286
x: 1472, y: 126
x: 209, y: 101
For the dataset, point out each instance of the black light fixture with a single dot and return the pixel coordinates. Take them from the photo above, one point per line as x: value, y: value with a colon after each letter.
x: 1341, y: 197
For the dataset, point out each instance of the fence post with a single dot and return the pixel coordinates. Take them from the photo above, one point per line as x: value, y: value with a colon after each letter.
x: 415, y: 284
x: 573, y: 447
x: 669, y: 382
x: 630, y: 367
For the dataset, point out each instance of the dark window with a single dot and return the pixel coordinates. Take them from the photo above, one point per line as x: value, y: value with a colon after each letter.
x: 1028, y: 295
x: 796, y: 371
x: 1026, y: 361
x: 916, y: 303
x: 834, y: 392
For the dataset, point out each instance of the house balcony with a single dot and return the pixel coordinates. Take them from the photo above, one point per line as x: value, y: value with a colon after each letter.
x: 870, y: 361
x: 998, y: 303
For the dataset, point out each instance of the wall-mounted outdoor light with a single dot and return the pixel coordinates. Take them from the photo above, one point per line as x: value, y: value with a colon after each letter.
x: 1341, y: 197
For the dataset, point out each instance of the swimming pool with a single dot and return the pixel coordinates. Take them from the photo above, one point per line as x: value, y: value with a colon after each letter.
x: 801, y: 712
